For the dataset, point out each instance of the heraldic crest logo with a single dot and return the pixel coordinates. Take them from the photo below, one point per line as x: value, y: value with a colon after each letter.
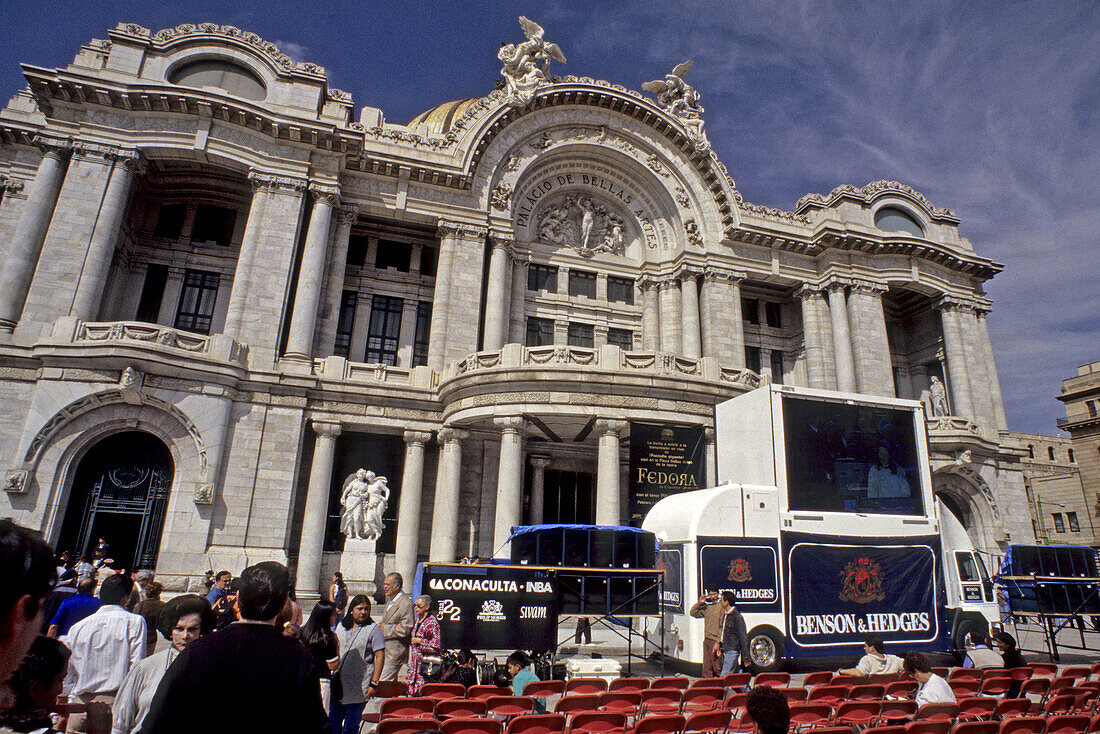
x: 861, y: 581
x: 491, y: 611
x: 740, y: 571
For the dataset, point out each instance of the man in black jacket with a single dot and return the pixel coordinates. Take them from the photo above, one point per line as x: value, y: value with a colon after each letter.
x: 267, y: 682
x: 735, y: 640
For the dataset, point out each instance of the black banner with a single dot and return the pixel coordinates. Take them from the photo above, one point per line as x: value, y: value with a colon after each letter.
x: 664, y: 460
x: 493, y: 608
x: 670, y: 559
x: 748, y: 567
x: 841, y: 589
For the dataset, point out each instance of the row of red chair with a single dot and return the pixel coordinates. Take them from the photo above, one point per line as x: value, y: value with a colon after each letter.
x: 1026, y: 725
x: 594, y: 722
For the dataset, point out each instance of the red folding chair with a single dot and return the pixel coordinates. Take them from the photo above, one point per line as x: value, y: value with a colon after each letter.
x: 977, y: 708
x: 895, y: 729
x: 744, y: 723
x: 701, y: 699
x: 778, y: 679
x: 1023, y: 725
x: 975, y: 727
x: 476, y: 725
x: 674, y: 681
x: 810, y: 715
x: 901, y: 689
x: 1094, y: 724
x: 1011, y: 707
x: 881, y: 679
x: 707, y: 683
x: 1048, y: 669
x: 1094, y: 671
x: 628, y: 684
x: 938, y: 712
x: 484, y: 692
x: 964, y: 673
x: 441, y: 691
x: 1072, y: 724
x: 857, y: 713
x: 708, y: 722
x: 544, y: 688
x: 460, y: 708
x: 1037, y: 687
x: 736, y: 680
x: 940, y: 671
x: 965, y: 687
x: 820, y: 678
x: 585, y: 686
x: 1077, y: 672
x: 597, y: 722
x: 867, y: 693
x: 793, y: 695
x: 406, y: 726
x: 661, y: 701
x: 996, y: 685
x: 829, y: 694
x: 673, y: 724
x: 407, y: 708
x: 928, y: 727
x: 579, y: 703
x: 897, y: 711
x: 1056, y: 705
x: 537, y: 724
x: 508, y: 706
x: 620, y: 702
x: 846, y: 680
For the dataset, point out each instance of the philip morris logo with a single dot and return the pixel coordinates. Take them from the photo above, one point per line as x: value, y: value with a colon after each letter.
x: 861, y: 581
x: 740, y: 571
x: 491, y: 611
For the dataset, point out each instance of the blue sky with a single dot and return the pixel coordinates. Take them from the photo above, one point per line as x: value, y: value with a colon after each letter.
x: 989, y: 109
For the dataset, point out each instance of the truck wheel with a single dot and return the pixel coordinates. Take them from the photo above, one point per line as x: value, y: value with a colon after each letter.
x: 765, y: 649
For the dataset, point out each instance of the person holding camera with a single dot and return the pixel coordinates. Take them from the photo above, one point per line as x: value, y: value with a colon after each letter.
x: 710, y: 611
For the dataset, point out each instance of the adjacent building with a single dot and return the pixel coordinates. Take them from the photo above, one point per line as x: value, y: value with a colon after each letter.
x: 223, y: 290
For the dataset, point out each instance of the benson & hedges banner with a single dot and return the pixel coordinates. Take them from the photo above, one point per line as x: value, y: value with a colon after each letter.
x: 749, y: 567
x: 841, y: 589
x: 664, y: 460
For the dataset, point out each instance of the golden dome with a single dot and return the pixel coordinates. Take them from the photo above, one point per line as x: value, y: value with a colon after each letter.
x: 438, y: 120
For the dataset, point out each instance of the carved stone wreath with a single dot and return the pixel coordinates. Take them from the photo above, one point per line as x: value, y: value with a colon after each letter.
x: 584, y: 225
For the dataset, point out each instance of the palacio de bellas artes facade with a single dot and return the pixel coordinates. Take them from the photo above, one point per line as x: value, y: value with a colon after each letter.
x: 224, y: 290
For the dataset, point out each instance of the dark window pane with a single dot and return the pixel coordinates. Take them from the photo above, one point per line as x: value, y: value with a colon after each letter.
x: 213, y: 224
x: 582, y: 284
x: 423, y: 332
x: 151, y: 293
x: 774, y: 315
x: 429, y: 258
x: 347, y: 321
x: 777, y: 366
x: 396, y: 255
x: 620, y: 290
x: 540, y: 332
x: 752, y: 359
x: 1074, y: 526
x: 581, y: 335
x: 542, y: 278
x: 1059, y: 523
x: 196, y: 305
x: 170, y: 221
x: 383, y: 330
x: 750, y: 310
x: 357, y: 250
x: 622, y: 338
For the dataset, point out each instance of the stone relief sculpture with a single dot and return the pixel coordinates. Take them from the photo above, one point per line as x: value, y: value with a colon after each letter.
x: 584, y: 225
x: 364, y: 498
x: 679, y: 99
x: 527, y: 65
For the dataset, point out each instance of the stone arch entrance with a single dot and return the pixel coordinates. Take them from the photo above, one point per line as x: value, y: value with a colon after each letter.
x: 120, y: 492
x: 968, y: 497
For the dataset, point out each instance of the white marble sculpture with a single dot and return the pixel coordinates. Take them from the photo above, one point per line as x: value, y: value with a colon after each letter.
x: 527, y: 65
x: 586, y: 226
x: 679, y: 99
x: 938, y: 397
x: 356, y: 500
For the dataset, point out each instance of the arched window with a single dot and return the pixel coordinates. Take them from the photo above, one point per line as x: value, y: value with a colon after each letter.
x: 1050, y: 452
x: 220, y: 74
x: 1072, y: 460
x: 892, y: 219
x: 1030, y: 451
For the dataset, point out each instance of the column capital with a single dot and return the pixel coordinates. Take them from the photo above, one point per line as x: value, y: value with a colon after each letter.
x: 420, y: 438
x: 447, y: 434
x: 501, y: 241
x: 647, y: 282
x: 687, y: 272
x: 709, y: 435
x: 347, y: 214
x: 328, y: 193
x: 832, y: 285
x: 953, y: 303
x: 667, y: 283
x: 510, y: 424
x: 611, y: 427
x: 539, y: 462
x: 273, y: 182
x: 809, y: 290
x: 53, y: 145
x: 461, y: 230
x: 326, y: 428
x: 722, y: 275
x: 861, y: 285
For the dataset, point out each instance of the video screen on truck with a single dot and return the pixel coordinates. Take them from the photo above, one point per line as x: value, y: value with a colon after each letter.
x: 850, y: 458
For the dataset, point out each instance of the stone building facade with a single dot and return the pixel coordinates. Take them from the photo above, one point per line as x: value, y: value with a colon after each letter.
x: 1063, y: 510
x: 1081, y: 395
x: 222, y: 290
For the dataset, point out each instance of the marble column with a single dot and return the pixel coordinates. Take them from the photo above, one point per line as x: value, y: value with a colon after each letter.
x: 813, y: 303
x: 346, y: 216
x: 496, y: 298
x: 441, y: 297
x: 517, y: 327
x: 689, y: 302
x: 981, y: 384
x: 958, y: 376
x: 842, y: 340
x: 651, y: 332
x: 670, y: 310
x: 17, y: 270
x: 870, y: 345
x: 170, y: 296
x: 406, y: 544
x: 101, y: 246
x: 710, y: 451
x: 444, y: 543
x: 999, y: 419
x: 608, y: 510
x: 238, y: 296
x: 311, y: 274
x: 509, y: 505
x: 723, y: 332
x: 537, y: 509
x: 308, y: 581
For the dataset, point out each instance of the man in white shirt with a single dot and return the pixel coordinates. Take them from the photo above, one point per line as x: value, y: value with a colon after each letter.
x: 933, y: 688
x: 875, y: 660
x: 105, y: 646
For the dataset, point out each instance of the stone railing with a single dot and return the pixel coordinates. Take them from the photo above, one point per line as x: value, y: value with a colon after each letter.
x: 952, y: 424
x: 217, y: 346
x: 342, y: 370
x: 608, y: 357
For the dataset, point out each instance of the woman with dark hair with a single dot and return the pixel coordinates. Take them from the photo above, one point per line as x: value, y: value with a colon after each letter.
x: 320, y: 640
x: 338, y: 594
x: 181, y: 621
x: 362, y: 653
x: 36, y: 685
x: 1006, y: 644
x: 425, y: 641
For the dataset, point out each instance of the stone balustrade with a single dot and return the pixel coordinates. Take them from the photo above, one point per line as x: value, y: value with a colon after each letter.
x: 343, y: 370
x: 71, y: 330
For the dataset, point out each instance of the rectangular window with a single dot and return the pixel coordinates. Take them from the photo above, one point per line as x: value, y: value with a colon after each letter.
x: 750, y: 310
x: 773, y: 314
x: 170, y: 221
x: 213, y: 224
x: 540, y: 332
x: 345, y: 324
x: 357, y: 250
x: 542, y: 278
x: 1091, y: 405
x: 423, y: 331
x: 1059, y: 523
x: 582, y: 283
x: 152, y: 292
x: 622, y: 338
x: 196, y: 306
x: 752, y: 359
x: 396, y: 255
x: 581, y: 335
x: 620, y: 290
x: 429, y: 258
x: 777, y: 366
x: 1074, y: 526
x: 383, y: 330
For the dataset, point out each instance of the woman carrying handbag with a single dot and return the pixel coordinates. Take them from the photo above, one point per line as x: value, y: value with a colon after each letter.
x: 424, y: 657
x: 363, y: 650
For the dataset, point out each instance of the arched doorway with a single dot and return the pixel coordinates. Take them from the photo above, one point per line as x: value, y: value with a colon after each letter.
x: 120, y: 493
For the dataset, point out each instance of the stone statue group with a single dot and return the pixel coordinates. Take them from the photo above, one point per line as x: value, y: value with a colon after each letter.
x: 364, y: 501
